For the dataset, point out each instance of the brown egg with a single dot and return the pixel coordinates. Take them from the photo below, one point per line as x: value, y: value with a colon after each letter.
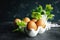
x: 32, y: 25
x: 40, y: 23
x: 26, y: 19
x: 17, y: 20
x: 34, y: 20
x: 44, y: 25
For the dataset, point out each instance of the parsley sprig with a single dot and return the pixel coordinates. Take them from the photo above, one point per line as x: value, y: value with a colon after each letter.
x: 21, y: 25
x: 38, y: 12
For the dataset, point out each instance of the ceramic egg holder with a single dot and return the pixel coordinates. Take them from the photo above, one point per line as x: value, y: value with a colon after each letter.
x: 40, y: 30
x: 33, y: 33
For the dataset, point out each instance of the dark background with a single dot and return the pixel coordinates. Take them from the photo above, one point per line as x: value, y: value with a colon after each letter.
x: 11, y: 9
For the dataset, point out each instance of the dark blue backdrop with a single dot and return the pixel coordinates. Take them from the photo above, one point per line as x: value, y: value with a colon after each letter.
x: 10, y: 9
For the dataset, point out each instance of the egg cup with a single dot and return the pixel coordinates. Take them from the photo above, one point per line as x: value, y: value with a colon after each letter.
x: 47, y: 27
x: 32, y: 32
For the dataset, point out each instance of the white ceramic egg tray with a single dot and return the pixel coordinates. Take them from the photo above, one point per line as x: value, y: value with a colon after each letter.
x: 41, y: 30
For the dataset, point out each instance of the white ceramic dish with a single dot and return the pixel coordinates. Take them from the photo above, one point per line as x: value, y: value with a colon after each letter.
x: 40, y: 30
x: 32, y: 32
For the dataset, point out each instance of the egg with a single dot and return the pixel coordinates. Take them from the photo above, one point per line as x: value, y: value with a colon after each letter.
x: 17, y: 20
x: 40, y: 23
x: 32, y: 32
x: 31, y: 25
x: 26, y: 19
x: 44, y: 25
x: 34, y: 20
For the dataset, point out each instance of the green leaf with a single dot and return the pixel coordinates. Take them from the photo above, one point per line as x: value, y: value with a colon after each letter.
x: 43, y: 12
x: 49, y: 7
x: 39, y: 9
x: 50, y: 16
x: 37, y: 12
x: 16, y: 30
x: 22, y: 23
x: 36, y: 15
x: 21, y: 30
x: 47, y: 13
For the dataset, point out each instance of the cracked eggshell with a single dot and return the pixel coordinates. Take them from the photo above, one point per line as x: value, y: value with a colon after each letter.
x: 32, y: 32
x: 42, y: 30
x: 26, y: 19
x: 47, y: 27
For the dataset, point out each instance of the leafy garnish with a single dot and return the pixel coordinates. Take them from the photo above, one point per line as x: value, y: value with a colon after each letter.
x: 37, y: 13
x: 39, y: 9
x: 49, y: 7
x: 19, y: 29
x: 50, y: 16
x: 21, y: 25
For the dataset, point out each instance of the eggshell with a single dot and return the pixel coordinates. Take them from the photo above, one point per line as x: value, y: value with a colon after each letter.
x: 34, y: 20
x: 40, y: 23
x: 32, y: 25
x: 26, y: 19
x: 32, y: 32
x: 17, y: 20
x: 47, y: 27
x: 44, y: 18
x: 42, y: 30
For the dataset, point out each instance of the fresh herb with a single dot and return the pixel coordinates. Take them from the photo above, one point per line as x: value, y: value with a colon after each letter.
x: 36, y: 15
x: 21, y: 25
x: 19, y: 29
x: 49, y: 7
x: 50, y: 16
x: 39, y: 11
